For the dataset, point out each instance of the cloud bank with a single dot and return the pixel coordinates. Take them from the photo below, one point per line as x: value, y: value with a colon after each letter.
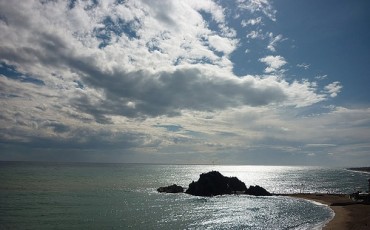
x: 137, y: 59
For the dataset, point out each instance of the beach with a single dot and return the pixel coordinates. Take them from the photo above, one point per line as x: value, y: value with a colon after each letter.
x: 348, y: 214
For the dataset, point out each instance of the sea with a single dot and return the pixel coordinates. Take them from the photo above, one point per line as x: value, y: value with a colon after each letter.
x: 40, y: 195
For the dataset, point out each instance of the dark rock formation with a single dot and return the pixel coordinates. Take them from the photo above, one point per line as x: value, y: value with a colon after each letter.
x: 257, y: 191
x: 214, y: 183
x: 171, y: 189
x: 360, y: 169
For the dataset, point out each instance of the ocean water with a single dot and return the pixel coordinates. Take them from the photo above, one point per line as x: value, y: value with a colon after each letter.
x: 123, y: 196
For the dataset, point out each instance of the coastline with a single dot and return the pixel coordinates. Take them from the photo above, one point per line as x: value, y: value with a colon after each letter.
x: 348, y: 214
x: 360, y: 169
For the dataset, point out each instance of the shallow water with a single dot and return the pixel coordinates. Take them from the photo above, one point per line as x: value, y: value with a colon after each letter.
x: 116, y: 196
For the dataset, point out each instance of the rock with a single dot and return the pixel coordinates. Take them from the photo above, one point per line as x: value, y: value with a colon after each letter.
x: 171, y: 189
x: 214, y: 183
x: 257, y: 191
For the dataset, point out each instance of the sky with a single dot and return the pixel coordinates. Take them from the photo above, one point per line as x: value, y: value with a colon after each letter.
x: 253, y: 82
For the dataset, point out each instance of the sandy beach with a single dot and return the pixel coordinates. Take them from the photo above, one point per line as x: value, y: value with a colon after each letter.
x: 348, y: 214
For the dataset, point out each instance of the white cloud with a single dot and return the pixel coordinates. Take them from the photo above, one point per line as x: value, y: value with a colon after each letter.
x: 333, y: 88
x: 341, y: 131
x: 273, y: 41
x: 222, y: 44
x: 303, y: 65
x: 304, y: 94
x: 263, y: 6
x: 252, y: 22
x: 111, y: 72
x: 274, y: 63
x: 254, y: 34
x: 216, y: 11
x: 321, y: 77
x: 160, y: 62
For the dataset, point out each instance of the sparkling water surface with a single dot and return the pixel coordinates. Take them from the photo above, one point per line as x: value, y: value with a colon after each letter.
x: 122, y: 196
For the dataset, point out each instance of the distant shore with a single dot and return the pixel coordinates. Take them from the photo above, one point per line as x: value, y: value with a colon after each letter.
x: 360, y: 169
x: 348, y: 213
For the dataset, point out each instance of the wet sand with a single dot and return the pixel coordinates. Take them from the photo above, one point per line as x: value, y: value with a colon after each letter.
x: 348, y: 214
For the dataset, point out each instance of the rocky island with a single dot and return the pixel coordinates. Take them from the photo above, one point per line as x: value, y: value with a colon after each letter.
x: 171, y: 189
x: 214, y: 183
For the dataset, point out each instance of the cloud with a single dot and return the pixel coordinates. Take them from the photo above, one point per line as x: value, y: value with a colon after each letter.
x: 333, y: 88
x: 222, y: 44
x: 273, y: 41
x: 321, y: 77
x: 195, y: 89
x: 274, y: 63
x: 342, y: 131
x: 254, y: 34
x: 319, y: 145
x: 148, y: 77
x: 146, y: 63
x: 263, y: 6
x: 304, y: 66
x: 252, y: 22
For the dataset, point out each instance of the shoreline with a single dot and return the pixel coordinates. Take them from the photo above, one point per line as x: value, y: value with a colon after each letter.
x: 360, y: 169
x: 348, y: 214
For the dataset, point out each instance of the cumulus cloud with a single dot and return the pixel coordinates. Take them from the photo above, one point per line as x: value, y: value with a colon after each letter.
x: 222, y: 44
x: 146, y: 63
x: 274, y: 63
x: 110, y: 73
x: 333, y: 88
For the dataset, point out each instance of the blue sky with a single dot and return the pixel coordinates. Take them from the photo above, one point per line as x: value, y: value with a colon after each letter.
x: 227, y: 82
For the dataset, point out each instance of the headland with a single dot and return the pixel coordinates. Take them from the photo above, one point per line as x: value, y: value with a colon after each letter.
x: 360, y: 169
